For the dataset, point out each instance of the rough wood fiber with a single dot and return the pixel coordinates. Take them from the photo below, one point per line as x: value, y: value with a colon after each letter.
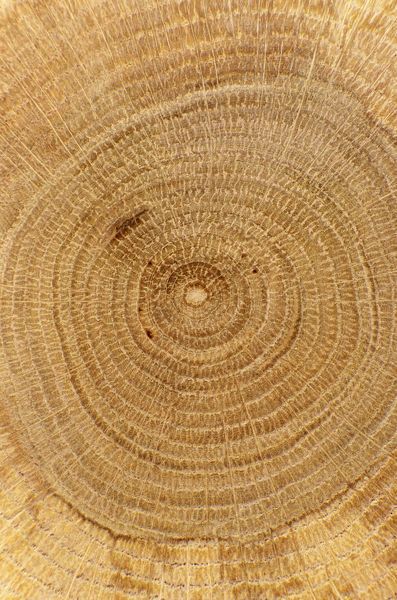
x: 198, y: 257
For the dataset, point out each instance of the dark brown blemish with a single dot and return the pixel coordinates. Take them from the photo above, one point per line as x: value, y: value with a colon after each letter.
x: 123, y: 226
x: 254, y: 270
x: 149, y: 333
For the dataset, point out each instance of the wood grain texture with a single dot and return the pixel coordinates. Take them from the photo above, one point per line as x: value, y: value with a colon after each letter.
x: 198, y: 259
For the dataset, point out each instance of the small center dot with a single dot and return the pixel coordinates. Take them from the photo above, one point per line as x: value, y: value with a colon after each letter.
x: 195, y: 295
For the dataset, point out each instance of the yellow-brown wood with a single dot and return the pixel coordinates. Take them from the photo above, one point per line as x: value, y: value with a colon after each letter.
x: 198, y: 259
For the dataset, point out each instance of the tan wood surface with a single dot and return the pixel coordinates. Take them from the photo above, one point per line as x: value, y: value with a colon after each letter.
x: 198, y: 259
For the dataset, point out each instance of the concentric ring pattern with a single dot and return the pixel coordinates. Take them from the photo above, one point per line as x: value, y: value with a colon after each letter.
x: 198, y: 300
